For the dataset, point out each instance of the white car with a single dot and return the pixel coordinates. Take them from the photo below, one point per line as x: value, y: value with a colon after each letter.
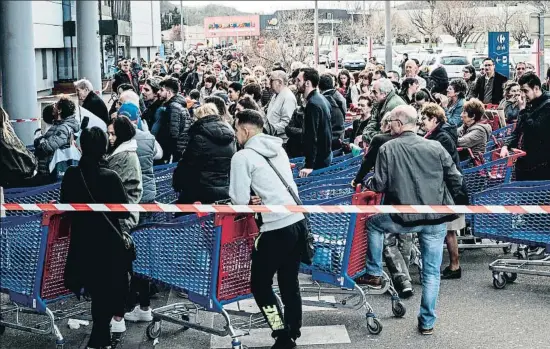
x: 453, y: 64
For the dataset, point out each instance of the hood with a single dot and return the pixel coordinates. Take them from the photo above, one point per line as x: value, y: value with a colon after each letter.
x: 72, y: 123
x: 179, y: 99
x: 215, y: 129
x: 130, y: 145
x: 439, y: 74
x: 486, y: 127
x: 266, y: 145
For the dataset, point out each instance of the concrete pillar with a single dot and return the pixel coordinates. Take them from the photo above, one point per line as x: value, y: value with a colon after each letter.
x: 18, y: 66
x: 389, y: 51
x: 87, y: 34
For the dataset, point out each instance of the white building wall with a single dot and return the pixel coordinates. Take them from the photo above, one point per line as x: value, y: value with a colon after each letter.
x: 145, y: 21
x: 47, y: 24
x: 44, y: 82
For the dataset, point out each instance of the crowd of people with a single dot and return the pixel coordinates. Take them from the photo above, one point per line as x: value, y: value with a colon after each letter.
x: 232, y: 127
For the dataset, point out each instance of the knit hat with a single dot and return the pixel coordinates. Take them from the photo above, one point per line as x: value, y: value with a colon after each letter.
x: 131, y: 111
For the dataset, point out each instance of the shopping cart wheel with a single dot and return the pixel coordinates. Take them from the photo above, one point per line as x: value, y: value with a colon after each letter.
x: 185, y: 317
x: 398, y: 309
x: 154, y: 329
x: 499, y: 281
x: 510, y: 277
x: 373, y: 324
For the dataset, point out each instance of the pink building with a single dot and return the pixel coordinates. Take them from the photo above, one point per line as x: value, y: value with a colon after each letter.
x: 231, y: 28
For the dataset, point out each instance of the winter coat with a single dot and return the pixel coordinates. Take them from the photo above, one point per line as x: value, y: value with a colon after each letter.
x: 439, y: 81
x: 96, y: 106
x: 203, y: 171
x: 234, y: 76
x: 498, y: 88
x: 149, y: 114
x: 474, y: 137
x: 337, y: 114
x: 279, y: 112
x: 357, y: 128
x: 146, y: 151
x: 293, y: 131
x: 511, y: 110
x: 447, y: 135
x: 316, y: 132
x: 125, y: 162
x: 205, y: 93
x: 454, y: 113
x: 471, y: 88
x: 373, y: 127
x: 96, y: 259
x: 123, y: 78
x: 532, y: 135
x: 58, y: 136
x: 173, y: 127
x: 16, y: 161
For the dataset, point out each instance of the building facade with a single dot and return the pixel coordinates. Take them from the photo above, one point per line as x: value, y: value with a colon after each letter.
x: 127, y: 29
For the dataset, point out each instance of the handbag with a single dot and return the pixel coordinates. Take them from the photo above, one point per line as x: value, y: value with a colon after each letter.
x: 126, y: 239
x: 308, y: 249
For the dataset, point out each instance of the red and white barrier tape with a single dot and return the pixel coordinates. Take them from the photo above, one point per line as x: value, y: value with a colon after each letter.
x: 24, y: 120
x: 411, y: 209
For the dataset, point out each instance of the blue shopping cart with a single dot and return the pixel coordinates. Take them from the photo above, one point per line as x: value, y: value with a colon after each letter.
x: 44, y: 194
x: 33, y: 251
x: 530, y: 229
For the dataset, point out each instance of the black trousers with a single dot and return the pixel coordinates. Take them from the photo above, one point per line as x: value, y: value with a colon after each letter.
x: 139, y: 293
x: 104, y: 307
x: 279, y: 251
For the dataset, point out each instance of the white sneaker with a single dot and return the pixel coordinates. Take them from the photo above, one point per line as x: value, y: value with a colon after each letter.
x: 139, y: 315
x: 118, y: 326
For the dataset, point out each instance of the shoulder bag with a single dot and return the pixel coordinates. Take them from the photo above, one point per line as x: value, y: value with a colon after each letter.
x: 126, y: 239
x: 308, y: 249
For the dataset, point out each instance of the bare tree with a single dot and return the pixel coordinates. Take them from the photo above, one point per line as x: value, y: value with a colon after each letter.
x: 458, y: 19
x: 426, y: 21
x: 401, y: 29
x: 504, y: 18
x: 519, y: 28
x: 287, y: 43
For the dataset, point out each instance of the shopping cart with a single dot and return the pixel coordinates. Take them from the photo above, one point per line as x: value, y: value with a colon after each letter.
x: 44, y: 194
x: 33, y: 251
x: 209, y: 260
x: 340, y: 257
x: 493, y: 171
x: 531, y: 229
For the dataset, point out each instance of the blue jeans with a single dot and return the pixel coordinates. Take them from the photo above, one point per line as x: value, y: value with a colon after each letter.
x: 431, y: 247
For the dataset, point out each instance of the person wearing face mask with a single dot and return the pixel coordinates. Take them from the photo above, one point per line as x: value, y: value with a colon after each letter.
x: 125, y: 76
x: 510, y: 103
x: 473, y: 134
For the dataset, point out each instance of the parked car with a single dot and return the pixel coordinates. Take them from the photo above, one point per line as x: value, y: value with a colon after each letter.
x: 453, y: 64
x: 354, y: 62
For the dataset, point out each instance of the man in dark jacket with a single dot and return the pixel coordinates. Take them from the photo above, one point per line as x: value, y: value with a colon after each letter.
x: 150, y: 94
x: 532, y: 130
x: 490, y: 87
x: 174, y: 121
x: 125, y: 76
x: 337, y: 109
x: 90, y: 101
x: 190, y: 69
x: 317, y: 133
x: 193, y: 78
x: 411, y: 170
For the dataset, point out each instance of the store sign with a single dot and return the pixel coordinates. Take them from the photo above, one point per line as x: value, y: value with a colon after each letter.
x: 232, y: 26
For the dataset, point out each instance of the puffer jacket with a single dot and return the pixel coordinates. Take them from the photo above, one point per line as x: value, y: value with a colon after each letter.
x: 373, y: 127
x: 57, y: 137
x: 146, y: 152
x: 125, y: 162
x: 203, y: 171
x: 172, y: 131
x: 474, y: 137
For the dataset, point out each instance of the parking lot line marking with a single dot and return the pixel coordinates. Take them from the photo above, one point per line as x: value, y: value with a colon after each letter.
x: 249, y: 305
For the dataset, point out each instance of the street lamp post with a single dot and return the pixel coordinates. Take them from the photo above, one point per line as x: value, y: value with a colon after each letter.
x: 389, y: 50
x: 316, y: 36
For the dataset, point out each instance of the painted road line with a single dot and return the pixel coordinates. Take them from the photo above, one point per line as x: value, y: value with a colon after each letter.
x: 249, y: 305
x: 311, y: 335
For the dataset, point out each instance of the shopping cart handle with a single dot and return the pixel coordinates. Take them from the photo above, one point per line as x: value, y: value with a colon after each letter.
x: 518, y: 153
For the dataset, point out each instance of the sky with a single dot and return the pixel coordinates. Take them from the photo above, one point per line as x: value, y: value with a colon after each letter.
x: 266, y: 7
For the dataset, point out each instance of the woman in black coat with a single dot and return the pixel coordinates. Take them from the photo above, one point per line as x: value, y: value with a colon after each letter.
x: 434, y: 122
x: 97, y: 261
x: 203, y: 171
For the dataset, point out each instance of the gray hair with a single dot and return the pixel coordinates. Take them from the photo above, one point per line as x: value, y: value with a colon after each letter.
x: 385, y: 85
x: 83, y: 84
x: 129, y: 96
x: 406, y: 114
x: 385, y: 119
x: 279, y: 75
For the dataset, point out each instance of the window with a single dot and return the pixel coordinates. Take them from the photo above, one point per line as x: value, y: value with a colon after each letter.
x: 44, y: 64
x: 454, y: 60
